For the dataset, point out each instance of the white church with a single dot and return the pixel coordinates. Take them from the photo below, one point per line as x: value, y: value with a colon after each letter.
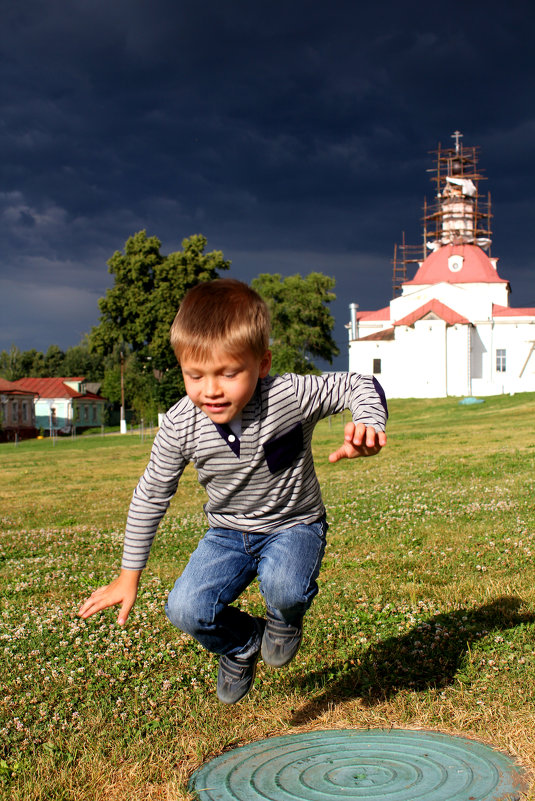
x: 450, y: 330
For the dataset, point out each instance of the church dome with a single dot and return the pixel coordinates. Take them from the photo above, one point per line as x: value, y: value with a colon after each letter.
x: 457, y: 264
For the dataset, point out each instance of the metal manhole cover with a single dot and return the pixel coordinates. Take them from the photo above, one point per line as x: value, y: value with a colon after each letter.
x: 393, y: 764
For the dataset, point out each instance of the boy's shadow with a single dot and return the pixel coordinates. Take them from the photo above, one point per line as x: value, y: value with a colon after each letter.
x: 429, y: 655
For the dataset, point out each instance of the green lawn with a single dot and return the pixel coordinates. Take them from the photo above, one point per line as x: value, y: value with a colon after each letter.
x: 425, y: 617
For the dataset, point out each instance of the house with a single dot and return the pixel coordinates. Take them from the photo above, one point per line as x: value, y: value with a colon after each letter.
x: 450, y: 330
x: 64, y: 404
x: 17, y: 414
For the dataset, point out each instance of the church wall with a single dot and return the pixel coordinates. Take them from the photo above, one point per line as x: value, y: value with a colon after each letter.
x: 458, y: 359
x: 423, y: 353
x: 422, y: 358
x: 507, y: 346
x: 473, y: 301
x: 412, y: 365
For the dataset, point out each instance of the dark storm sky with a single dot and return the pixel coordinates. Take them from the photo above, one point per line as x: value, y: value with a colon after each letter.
x: 294, y: 135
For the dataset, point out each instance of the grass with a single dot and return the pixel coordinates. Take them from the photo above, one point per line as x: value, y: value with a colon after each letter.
x: 425, y: 617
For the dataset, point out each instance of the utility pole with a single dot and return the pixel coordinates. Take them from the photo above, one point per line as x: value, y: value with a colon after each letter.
x: 123, y: 421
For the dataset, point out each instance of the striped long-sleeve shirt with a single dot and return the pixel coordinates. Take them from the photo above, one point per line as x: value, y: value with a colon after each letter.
x: 266, y: 483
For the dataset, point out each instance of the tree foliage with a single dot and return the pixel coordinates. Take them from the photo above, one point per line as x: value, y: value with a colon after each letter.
x: 301, y: 321
x: 137, y: 312
x: 75, y: 361
x: 148, y: 288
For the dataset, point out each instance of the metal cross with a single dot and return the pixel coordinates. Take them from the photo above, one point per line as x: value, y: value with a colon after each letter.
x: 457, y: 135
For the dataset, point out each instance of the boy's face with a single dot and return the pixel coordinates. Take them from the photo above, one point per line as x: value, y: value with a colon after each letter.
x: 222, y: 385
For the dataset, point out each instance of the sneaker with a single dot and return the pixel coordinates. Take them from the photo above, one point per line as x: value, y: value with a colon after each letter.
x: 281, y: 641
x: 236, y: 674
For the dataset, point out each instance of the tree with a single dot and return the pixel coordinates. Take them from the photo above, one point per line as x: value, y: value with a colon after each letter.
x: 10, y: 364
x: 79, y: 361
x: 21, y: 364
x: 32, y: 363
x: 137, y: 312
x: 301, y: 322
x: 54, y: 359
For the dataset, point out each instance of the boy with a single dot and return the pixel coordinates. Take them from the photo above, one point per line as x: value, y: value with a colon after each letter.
x: 249, y: 436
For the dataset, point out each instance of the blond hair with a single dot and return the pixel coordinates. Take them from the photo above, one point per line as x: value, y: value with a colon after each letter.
x: 225, y: 313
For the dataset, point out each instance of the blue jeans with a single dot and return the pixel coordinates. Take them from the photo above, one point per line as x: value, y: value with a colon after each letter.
x: 287, y: 563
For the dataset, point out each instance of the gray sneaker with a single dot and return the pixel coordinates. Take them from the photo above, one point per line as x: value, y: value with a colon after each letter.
x: 281, y: 641
x: 236, y: 674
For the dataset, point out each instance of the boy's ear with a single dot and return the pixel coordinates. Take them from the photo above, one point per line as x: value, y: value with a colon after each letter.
x: 265, y: 364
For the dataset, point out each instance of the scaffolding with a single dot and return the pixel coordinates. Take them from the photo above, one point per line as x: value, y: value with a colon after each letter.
x: 459, y: 214
x: 404, y: 255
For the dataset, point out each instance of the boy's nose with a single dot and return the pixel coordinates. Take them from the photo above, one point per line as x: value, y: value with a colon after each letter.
x: 211, y: 387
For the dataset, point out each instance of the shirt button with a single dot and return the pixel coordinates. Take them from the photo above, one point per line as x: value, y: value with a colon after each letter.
x: 232, y: 438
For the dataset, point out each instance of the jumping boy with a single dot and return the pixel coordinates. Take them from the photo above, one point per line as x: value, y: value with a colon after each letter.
x: 249, y: 436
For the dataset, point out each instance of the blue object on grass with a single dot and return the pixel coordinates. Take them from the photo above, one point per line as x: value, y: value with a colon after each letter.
x: 470, y: 401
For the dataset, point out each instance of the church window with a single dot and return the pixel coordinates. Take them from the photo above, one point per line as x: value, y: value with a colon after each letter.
x: 376, y: 366
x: 501, y: 355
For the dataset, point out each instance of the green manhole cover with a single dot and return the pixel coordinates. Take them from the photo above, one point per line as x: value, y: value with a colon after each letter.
x: 393, y: 764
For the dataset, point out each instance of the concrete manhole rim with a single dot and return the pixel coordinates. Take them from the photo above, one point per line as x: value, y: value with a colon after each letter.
x: 347, y: 764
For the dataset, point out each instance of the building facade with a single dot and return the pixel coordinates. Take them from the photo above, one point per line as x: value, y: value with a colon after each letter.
x: 449, y: 330
x: 17, y: 414
x: 64, y: 404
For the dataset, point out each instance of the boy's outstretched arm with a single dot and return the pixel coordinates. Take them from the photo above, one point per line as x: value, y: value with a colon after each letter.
x: 359, y: 440
x: 122, y: 590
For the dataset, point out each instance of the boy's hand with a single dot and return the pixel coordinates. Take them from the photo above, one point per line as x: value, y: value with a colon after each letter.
x: 122, y: 590
x: 359, y: 440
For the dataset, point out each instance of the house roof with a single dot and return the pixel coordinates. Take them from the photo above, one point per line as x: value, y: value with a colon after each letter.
x: 508, y: 311
x: 371, y: 316
x: 54, y: 388
x: 385, y: 334
x: 11, y: 388
x: 433, y: 307
x: 472, y: 266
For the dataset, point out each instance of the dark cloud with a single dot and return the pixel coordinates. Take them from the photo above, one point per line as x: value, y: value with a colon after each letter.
x: 295, y: 136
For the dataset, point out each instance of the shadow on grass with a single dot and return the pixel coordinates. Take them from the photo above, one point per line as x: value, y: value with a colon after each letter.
x: 430, y: 655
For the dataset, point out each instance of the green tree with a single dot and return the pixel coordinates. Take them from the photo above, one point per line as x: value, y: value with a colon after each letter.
x: 80, y: 361
x: 137, y: 312
x: 140, y: 388
x: 16, y: 364
x: 301, y: 322
x: 32, y: 364
x: 10, y: 364
x: 54, y: 358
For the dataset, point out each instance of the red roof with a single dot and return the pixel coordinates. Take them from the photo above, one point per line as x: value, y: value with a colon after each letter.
x: 9, y: 386
x: 380, y: 314
x: 54, y: 388
x: 475, y: 267
x: 387, y: 333
x: 508, y: 311
x: 436, y: 307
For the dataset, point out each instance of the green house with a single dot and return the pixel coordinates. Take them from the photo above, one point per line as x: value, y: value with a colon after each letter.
x: 64, y: 404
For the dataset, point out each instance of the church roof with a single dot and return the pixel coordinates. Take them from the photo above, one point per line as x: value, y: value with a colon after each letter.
x: 385, y: 334
x: 457, y: 264
x: 371, y: 316
x: 508, y: 311
x: 438, y: 309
